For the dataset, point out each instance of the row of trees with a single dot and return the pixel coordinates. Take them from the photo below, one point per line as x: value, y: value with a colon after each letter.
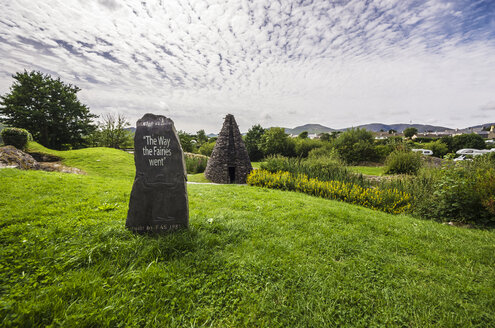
x: 353, y: 145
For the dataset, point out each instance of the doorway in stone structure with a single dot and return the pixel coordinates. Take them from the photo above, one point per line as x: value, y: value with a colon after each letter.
x: 232, y: 174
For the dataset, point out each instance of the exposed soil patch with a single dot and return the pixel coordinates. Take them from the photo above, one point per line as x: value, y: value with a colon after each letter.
x: 11, y: 157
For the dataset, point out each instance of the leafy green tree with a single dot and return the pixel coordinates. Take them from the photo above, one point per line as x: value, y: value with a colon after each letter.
x: 276, y: 142
x: 186, y: 141
x: 303, y: 135
x: 471, y: 140
x: 253, y: 142
x: 112, y: 132
x: 449, y: 141
x: 48, y: 108
x: 438, y: 148
x: 324, y: 136
x: 356, y: 145
x: 207, y: 148
x: 410, y: 132
x: 201, y: 138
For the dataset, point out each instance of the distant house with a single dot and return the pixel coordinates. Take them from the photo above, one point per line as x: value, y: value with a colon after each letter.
x: 382, y: 135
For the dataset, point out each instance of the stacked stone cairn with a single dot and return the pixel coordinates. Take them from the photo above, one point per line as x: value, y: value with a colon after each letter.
x: 229, y: 161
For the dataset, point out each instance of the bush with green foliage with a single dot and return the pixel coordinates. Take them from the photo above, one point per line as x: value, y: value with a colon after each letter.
x: 471, y: 140
x: 322, y: 168
x: 15, y: 137
x: 356, y: 145
x: 457, y: 192
x: 276, y: 142
x: 403, y: 162
x: 302, y: 147
x: 195, y: 163
x: 207, y: 148
x: 438, y: 147
x: 49, y: 109
x: 390, y: 201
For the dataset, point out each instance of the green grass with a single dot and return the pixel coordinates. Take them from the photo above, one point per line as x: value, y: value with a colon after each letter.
x: 198, y: 177
x: 368, y: 170
x: 252, y: 257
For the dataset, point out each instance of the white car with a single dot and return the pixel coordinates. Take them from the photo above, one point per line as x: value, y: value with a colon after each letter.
x: 474, y: 152
x: 425, y: 152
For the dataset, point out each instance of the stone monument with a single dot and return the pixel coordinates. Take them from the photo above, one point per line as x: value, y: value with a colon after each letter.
x: 229, y: 162
x: 159, y: 195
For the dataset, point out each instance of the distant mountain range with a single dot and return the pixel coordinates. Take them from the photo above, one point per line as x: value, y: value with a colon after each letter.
x: 374, y: 127
x: 377, y: 127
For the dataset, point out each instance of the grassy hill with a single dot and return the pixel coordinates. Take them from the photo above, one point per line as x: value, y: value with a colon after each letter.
x: 252, y: 257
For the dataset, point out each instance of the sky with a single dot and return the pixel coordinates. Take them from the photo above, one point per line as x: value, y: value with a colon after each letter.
x: 276, y: 63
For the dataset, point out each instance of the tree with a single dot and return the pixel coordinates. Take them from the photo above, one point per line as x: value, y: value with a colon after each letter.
x: 253, y: 142
x: 471, y: 140
x: 186, y: 141
x: 303, y: 135
x: 48, y: 109
x: 410, y: 132
x: 113, y: 132
x: 324, y: 136
x: 275, y: 141
x: 356, y: 145
x: 201, y: 138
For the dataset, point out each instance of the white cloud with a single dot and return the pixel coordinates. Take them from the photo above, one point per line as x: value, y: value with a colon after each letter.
x: 332, y: 63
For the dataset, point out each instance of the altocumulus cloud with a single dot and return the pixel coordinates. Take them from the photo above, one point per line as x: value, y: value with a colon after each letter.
x: 338, y: 63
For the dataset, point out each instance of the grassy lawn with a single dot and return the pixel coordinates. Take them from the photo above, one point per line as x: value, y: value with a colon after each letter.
x: 198, y: 177
x: 368, y: 170
x: 252, y: 257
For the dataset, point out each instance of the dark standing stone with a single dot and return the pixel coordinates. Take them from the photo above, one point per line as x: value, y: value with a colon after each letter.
x: 229, y: 162
x: 159, y: 195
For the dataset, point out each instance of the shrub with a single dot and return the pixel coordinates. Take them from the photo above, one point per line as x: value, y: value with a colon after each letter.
x: 275, y: 142
x: 458, y: 192
x: 304, y: 146
x: 356, y: 145
x: 207, y: 148
x: 438, y: 147
x: 402, y: 162
x: 326, y: 151
x: 16, y: 137
x: 195, y: 163
x: 390, y: 201
x: 322, y: 168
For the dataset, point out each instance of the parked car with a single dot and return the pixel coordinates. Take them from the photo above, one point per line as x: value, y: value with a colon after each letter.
x: 473, y: 152
x: 425, y: 152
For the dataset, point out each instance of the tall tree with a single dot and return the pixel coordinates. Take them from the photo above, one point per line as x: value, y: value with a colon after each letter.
x: 410, y: 132
x: 253, y: 142
x: 201, y: 138
x: 276, y: 142
x: 48, y: 108
x: 113, y: 131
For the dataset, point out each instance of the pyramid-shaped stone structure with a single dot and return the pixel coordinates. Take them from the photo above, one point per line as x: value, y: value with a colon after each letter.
x: 229, y: 162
